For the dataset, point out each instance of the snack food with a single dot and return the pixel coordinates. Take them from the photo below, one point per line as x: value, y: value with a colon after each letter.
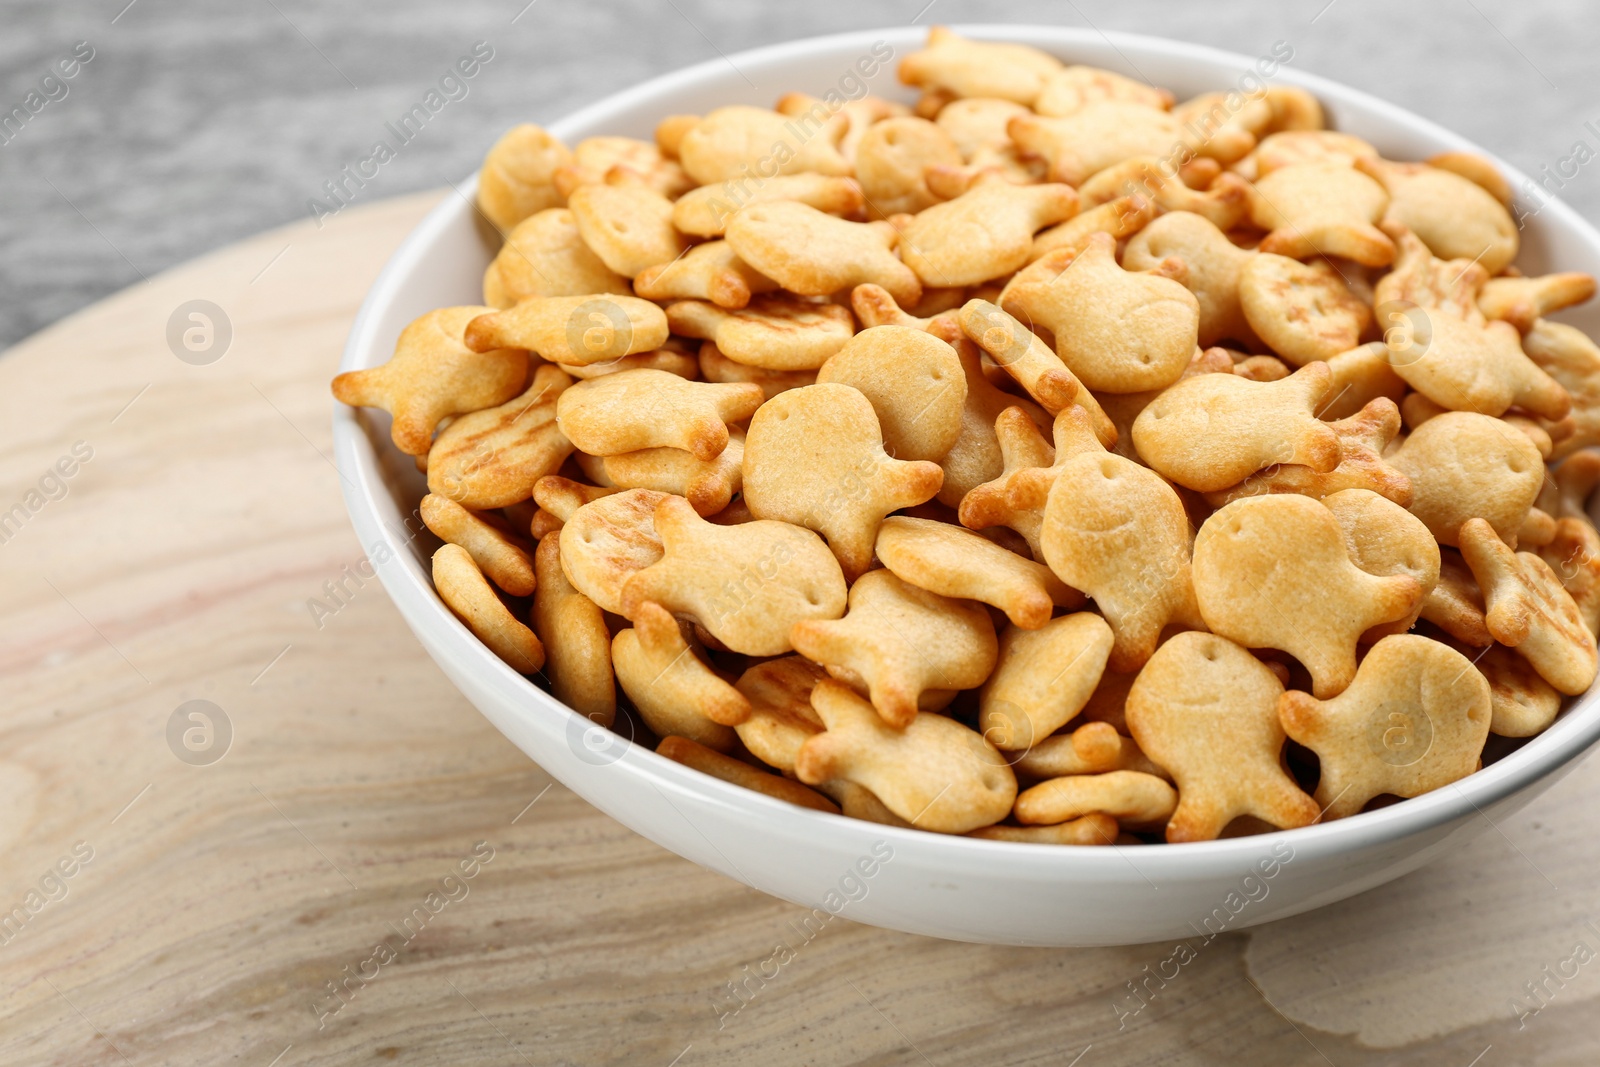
x: 578, y: 330
x: 544, y: 255
x: 463, y: 588
x: 1042, y: 679
x: 705, y: 211
x: 1303, y: 311
x: 1414, y: 719
x: 899, y: 642
x: 675, y: 691
x: 710, y: 761
x: 518, y: 176
x: 778, y: 332
x: 609, y: 539
x: 913, y: 381
x: 1135, y: 799
x: 1095, y: 136
x: 1215, y: 430
x: 933, y: 772
x: 626, y: 222
x: 1223, y: 203
x: 954, y: 562
x: 577, y: 645
x: 1321, y: 209
x: 1022, y: 449
x: 812, y: 253
x: 501, y: 559
x: 1214, y: 264
x: 1463, y: 465
x: 986, y: 232
x: 1363, y: 437
x: 815, y: 457
x: 1119, y: 331
x: 797, y: 578
x: 712, y: 271
x: 1234, y: 430
x: 1207, y: 711
x: 1020, y: 353
x: 1118, y: 532
x: 1466, y: 367
x: 781, y: 717
x: 1528, y: 609
x: 637, y: 409
x: 433, y: 375
x: 492, y: 458
x: 1315, y: 609
x: 1455, y: 217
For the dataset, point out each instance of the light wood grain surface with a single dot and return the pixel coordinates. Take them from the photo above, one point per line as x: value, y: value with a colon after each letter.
x: 225, y: 900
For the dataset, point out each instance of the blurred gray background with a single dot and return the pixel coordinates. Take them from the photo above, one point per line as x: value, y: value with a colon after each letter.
x: 196, y: 124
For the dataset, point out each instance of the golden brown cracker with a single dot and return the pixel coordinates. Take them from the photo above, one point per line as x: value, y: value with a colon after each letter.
x: 913, y: 381
x: 517, y: 179
x: 747, y: 584
x: 1363, y: 437
x: 432, y: 375
x: 544, y: 256
x: 1133, y: 798
x: 609, y: 539
x: 812, y: 253
x: 1207, y: 711
x: 814, y: 457
x: 963, y: 67
x: 710, y: 761
x: 1528, y: 609
x: 777, y: 332
x: 576, y: 643
x: 1414, y: 719
x: 935, y: 773
x: 900, y: 641
x: 710, y: 271
x: 1043, y: 678
x: 984, y: 233
x: 1212, y: 431
x: 1116, y: 330
x: 578, y: 330
x: 956, y: 562
x: 1463, y: 465
x: 492, y: 458
x: 673, y: 689
x: 469, y: 596
x: 1119, y: 533
x: 1322, y: 209
x: 1275, y: 572
x: 651, y: 409
x: 500, y: 558
x: 781, y: 717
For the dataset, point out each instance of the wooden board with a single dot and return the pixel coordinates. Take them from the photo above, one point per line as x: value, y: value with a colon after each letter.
x: 226, y: 900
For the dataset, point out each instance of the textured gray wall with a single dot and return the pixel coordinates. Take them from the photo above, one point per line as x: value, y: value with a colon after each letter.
x: 196, y: 124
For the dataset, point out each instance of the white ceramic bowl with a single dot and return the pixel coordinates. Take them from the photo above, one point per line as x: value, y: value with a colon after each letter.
x: 925, y: 883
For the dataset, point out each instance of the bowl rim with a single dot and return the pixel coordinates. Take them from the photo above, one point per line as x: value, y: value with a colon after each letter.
x: 1563, y: 742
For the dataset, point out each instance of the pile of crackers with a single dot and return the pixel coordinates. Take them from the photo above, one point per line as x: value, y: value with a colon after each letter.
x: 1050, y: 461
